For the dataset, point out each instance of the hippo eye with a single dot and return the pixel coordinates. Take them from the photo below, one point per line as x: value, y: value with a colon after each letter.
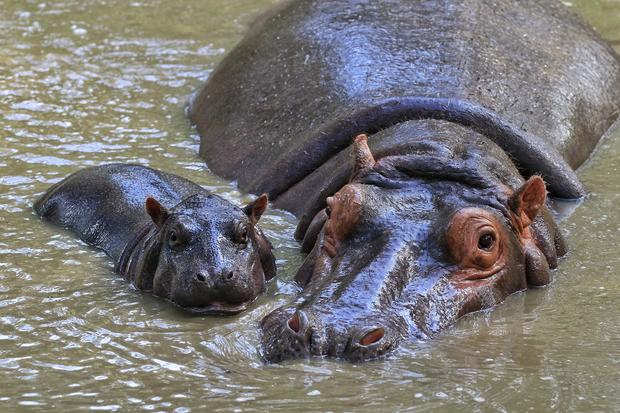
x: 486, y: 241
x: 174, y: 239
x: 241, y: 233
x: 475, y: 243
x: 328, y: 211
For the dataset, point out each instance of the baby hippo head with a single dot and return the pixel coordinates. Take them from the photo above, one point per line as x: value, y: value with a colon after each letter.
x: 212, y: 258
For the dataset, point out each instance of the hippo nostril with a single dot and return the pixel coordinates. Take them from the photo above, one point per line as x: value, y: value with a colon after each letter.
x: 294, y: 323
x: 297, y: 322
x: 373, y: 336
x: 201, y: 277
x: 230, y: 275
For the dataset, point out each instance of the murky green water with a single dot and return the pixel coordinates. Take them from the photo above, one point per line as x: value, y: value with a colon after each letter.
x: 85, y: 82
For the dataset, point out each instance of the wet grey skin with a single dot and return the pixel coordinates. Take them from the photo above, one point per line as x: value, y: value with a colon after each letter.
x: 167, y: 235
x: 470, y: 107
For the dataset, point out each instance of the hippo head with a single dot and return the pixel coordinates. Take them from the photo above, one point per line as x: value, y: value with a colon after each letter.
x: 411, y: 243
x: 211, y: 256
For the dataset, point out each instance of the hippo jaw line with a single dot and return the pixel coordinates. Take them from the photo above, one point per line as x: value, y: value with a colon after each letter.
x: 218, y: 308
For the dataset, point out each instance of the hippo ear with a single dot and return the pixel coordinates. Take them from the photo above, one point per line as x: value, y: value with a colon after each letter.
x: 265, y: 252
x: 528, y: 200
x: 159, y: 213
x: 362, y: 157
x: 254, y: 210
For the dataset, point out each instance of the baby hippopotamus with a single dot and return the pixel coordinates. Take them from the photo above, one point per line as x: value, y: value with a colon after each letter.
x: 167, y: 235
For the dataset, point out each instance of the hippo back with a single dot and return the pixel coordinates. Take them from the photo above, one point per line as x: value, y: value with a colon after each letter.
x: 307, y: 79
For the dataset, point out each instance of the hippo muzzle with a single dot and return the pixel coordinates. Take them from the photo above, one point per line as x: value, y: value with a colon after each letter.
x: 353, y: 278
x: 298, y: 333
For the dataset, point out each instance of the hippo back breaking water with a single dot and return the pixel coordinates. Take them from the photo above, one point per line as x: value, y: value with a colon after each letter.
x: 469, y: 105
x: 167, y: 235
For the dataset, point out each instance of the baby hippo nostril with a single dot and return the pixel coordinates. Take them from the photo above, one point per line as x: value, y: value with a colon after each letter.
x: 373, y: 336
x: 230, y: 275
x: 297, y: 322
x: 201, y: 277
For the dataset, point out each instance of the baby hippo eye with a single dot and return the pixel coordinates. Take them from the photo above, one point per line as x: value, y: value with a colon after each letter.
x: 175, y: 240
x: 486, y: 241
x: 328, y: 211
x: 241, y: 233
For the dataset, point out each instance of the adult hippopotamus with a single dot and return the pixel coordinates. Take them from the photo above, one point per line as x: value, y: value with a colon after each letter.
x: 167, y: 235
x: 470, y: 107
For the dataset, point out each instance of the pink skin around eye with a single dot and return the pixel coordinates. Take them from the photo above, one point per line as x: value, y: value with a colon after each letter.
x: 345, y: 208
x: 463, y: 234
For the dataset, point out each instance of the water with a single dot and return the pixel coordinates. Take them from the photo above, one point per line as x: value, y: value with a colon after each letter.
x: 86, y: 82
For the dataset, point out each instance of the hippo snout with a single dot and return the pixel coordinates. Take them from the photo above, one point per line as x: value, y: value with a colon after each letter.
x: 216, y: 279
x: 289, y: 333
x: 226, y: 290
x: 226, y: 284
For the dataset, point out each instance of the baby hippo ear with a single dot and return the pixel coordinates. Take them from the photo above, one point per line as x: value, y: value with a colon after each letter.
x: 528, y: 200
x: 254, y: 210
x: 159, y: 213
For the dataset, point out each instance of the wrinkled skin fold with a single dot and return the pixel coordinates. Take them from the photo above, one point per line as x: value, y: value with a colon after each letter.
x: 473, y: 109
x: 167, y: 235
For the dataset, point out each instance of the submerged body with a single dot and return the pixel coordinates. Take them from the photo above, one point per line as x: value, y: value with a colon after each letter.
x: 467, y: 104
x: 166, y: 235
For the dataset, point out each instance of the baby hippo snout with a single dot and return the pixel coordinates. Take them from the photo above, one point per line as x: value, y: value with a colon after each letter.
x: 219, y: 279
x: 223, y: 285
